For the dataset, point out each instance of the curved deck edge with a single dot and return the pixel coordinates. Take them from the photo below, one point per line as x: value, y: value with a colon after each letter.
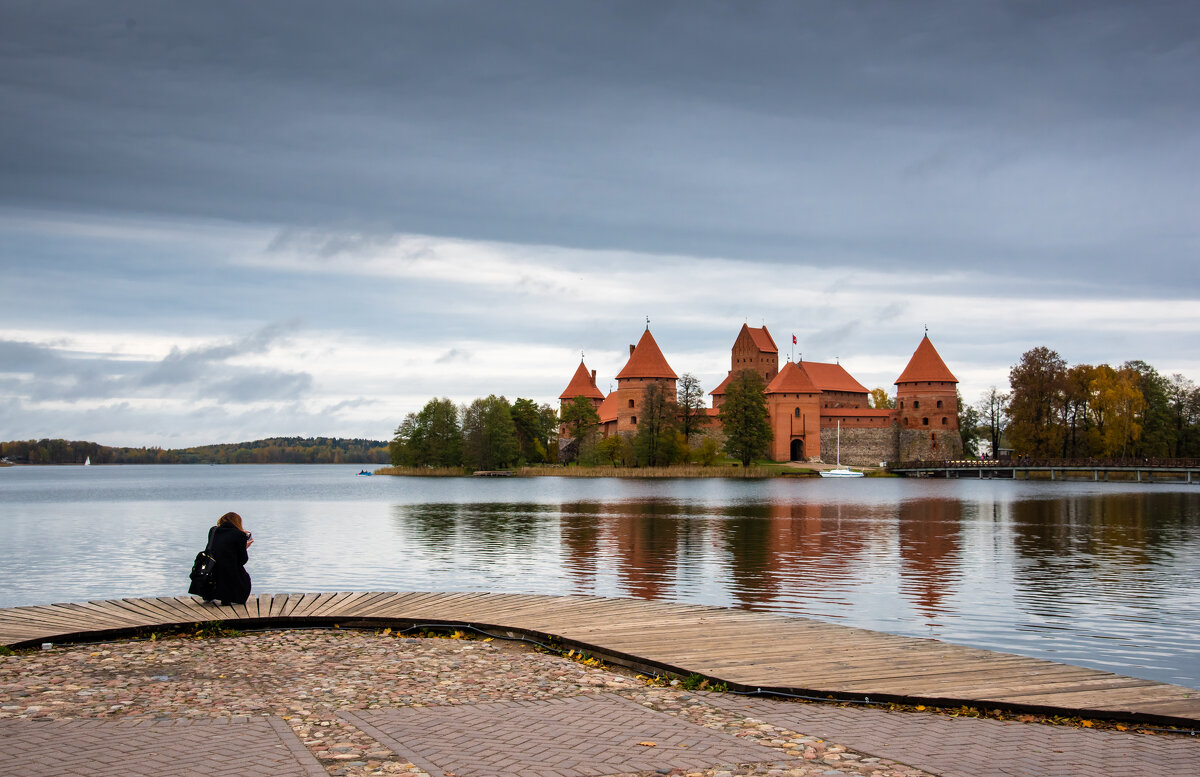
x: 659, y: 637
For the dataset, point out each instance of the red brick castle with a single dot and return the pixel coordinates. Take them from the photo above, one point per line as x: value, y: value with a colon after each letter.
x: 807, y: 401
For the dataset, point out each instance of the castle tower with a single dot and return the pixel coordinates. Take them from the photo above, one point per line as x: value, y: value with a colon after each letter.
x: 582, y: 384
x: 754, y: 349
x: 646, y: 366
x: 794, y: 407
x: 927, y: 406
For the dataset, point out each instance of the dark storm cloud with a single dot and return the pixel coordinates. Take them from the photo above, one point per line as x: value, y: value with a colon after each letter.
x: 1056, y: 138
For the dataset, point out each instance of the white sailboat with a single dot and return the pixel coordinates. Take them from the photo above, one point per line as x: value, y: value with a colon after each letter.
x: 87, y: 462
x: 839, y: 471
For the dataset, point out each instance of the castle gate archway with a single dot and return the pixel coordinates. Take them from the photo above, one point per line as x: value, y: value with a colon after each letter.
x: 797, y: 449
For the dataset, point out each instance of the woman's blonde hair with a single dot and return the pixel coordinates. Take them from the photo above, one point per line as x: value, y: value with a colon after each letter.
x: 231, y: 519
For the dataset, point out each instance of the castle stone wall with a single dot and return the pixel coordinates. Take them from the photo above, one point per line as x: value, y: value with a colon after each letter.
x: 860, y: 447
x: 926, y: 444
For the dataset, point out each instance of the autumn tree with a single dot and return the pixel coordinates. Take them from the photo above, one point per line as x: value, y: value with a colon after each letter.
x: 1116, y: 407
x: 1074, y: 411
x: 430, y: 438
x: 690, y: 402
x: 489, y: 434
x: 654, y: 444
x: 744, y: 417
x: 880, y: 399
x: 1037, y: 384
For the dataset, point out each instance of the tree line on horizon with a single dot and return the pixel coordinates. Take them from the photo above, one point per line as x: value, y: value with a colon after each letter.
x: 273, y: 450
x: 1053, y: 410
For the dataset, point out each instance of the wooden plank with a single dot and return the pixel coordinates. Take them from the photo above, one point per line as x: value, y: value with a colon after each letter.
x: 277, y: 603
x: 329, y: 604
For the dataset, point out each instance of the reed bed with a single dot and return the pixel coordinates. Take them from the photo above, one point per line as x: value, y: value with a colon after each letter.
x: 673, y: 471
x: 425, y: 472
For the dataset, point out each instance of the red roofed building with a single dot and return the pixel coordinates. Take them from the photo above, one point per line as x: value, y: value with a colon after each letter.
x: 646, y: 366
x: 809, y: 403
x: 927, y: 406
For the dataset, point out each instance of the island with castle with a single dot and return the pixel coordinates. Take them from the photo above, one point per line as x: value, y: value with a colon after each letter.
x: 811, y: 405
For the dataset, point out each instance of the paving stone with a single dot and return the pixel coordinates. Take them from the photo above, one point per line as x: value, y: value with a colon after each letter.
x: 214, y: 748
x: 587, y: 735
x: 973, y: 747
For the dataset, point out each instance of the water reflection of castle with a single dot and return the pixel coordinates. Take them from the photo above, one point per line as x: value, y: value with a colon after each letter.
x: 765, y: 552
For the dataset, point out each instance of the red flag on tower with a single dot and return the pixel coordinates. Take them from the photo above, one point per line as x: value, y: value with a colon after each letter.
x: 793, y: 339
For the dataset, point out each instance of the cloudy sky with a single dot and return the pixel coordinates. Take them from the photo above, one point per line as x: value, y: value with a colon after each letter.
x: 222, y: 221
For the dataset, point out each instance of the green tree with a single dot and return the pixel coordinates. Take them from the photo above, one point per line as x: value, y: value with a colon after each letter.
x: 880, y: 399
x: 534, y: 426
x: 693, y: 414
x: 430, y: 438
x: 1158, y: 431
x: 744, y: 417
x: 654, y: 444
x: 1183, y: 398
x: 1037, y: 384
x: 968, y: 427
x: 489, y: 436
x: 579, y: 419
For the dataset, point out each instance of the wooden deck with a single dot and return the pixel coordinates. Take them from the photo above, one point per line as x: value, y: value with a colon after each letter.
x: 747, y: 650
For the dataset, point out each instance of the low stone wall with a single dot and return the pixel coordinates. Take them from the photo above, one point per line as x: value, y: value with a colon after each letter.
x: 860, y: 447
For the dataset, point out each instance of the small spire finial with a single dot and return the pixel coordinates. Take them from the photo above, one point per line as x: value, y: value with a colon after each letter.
x: 927, y: 330
x: 647, y: 323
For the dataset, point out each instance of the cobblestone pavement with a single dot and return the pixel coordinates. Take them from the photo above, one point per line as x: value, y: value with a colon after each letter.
x: 361, y: 703
x: 971, y: 747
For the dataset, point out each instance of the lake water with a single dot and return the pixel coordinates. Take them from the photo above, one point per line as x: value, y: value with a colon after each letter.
x: 1097, y: 574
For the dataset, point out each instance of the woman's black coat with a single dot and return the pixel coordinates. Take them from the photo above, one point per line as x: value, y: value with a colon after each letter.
x: 231, y: 582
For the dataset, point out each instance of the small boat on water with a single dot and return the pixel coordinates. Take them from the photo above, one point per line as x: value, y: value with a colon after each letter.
x: 839, y: 471
x: 87, y: 462
x: 368, y: 474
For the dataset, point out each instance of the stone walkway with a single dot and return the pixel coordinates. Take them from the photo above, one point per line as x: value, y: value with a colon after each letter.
x: 353, y: 704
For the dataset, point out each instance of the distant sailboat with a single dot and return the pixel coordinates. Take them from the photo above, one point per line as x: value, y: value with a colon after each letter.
x: 840, y: 471
x: 87, y: 462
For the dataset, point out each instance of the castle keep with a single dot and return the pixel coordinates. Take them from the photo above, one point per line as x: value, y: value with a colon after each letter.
x: 808, y: 402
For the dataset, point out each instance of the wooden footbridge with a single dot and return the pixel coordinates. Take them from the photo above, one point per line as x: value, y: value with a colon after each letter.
x: 751, y: 651
x: 1024, y: 468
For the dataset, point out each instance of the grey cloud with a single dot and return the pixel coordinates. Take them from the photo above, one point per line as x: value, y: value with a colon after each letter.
x: 453, y: 355
x: 50, y: 373
x: 931, y: 134
x: 180, y: 366
x: 256, y: 385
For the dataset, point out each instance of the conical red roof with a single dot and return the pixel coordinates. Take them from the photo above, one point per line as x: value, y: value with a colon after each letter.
x: 581, y: 385
x: 646, y: 361
x: 792, y: 380
x: 926, y: 365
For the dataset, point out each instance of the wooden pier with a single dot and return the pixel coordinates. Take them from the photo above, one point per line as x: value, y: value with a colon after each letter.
x: 750, y: 651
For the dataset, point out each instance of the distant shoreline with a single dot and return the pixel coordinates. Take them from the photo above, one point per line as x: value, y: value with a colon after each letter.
x: 753, y: 472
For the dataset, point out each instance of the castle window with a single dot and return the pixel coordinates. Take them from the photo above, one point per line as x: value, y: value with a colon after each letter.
x: 633, y: 420
x: 902, y: 404
x: 631, y: 403
x: 943, y: 420
x: 924, y: 422
x: 797, y: 412
x: 916, y: 404
x: 939, y: 404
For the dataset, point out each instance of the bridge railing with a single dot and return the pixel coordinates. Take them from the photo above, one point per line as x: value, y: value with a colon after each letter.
x: 1024, y: 462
